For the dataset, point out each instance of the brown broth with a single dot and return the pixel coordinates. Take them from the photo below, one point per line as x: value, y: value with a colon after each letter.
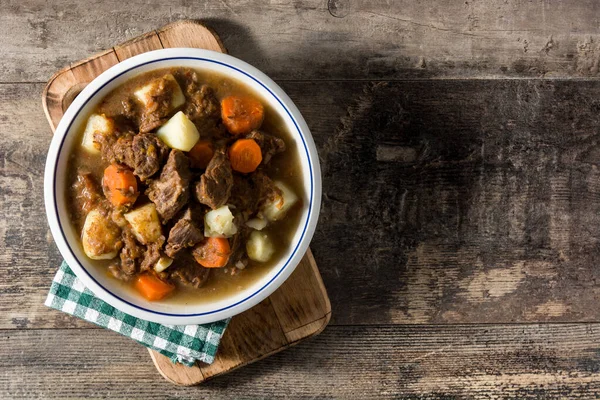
x: 285, y: 166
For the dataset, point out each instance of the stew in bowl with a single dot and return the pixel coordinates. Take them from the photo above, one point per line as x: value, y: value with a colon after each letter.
x: 186, y: 186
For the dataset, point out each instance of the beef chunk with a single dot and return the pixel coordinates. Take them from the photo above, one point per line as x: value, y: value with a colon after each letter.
x: 117, y: 272
x: 130, y: 253
x: 122, y: 151
x: 159, y: 105
x: 269, y: 145
x: 130, y: 110
x: 214, y: 130
x: 150, y: 122
x: 116, y: 149
x: 151, y: 256
x: 143, y: 153
x: 187, y: 271
x: 201, y: 102
x: 160, y: 95
x: 85, y: 193
x: 238, y: 248
x: 170, y: 192
x: 264, y: 187
x: 185, y: 232
x: 243, y: 194
x: 149, y: 153
x: 125, y: 117
x: 214, y: 187
x: 250, y: 191
x: 135, y: 257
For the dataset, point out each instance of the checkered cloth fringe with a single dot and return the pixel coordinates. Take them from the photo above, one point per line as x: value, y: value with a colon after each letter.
x: 185, y: 344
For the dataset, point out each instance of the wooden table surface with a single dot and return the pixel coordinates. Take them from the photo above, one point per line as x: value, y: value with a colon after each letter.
x: 460, y: 230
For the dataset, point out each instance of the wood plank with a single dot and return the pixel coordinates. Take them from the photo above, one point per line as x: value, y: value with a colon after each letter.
x: 478, y: 362
x: 306, y: 40
x: 28, y: 256
x: 520, y: 246
x: 463, y: 201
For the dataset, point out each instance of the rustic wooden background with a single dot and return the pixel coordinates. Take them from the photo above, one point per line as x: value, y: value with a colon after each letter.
x: 460, y: 229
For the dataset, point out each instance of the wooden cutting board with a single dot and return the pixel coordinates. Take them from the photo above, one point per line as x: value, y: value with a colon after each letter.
x: 299, y: 309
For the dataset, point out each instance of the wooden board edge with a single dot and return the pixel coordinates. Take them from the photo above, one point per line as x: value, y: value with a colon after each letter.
x: 45, y: 92
x: 214, y: 33
x: 315, y: 303
x: 322, y: 287
x: 185, y: 22
x: 275, y: 351
x: 179, y: 24
x: 135, y: 40
x: 313, y: 328
x: 92, y: 58
x: 162, y: 363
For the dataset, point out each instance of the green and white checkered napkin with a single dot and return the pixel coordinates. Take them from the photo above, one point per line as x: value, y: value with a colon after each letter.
x: 181, y: 343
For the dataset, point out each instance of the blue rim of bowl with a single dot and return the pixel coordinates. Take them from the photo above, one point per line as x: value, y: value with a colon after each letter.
x: 309, y: 203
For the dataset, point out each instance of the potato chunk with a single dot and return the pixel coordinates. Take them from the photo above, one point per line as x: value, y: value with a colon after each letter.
x: 219, y: 223
x: 179, y: 132
x: 259, y: 247
x: 145, y: 223
x: 100, y: 237
x: 275, y: 209
x: 146, y: 94
x: 95, y: 124
x: 163, y: 263
x: 257, y: 223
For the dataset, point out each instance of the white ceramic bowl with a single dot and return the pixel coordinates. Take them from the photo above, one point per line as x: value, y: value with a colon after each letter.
x: 66, y: 238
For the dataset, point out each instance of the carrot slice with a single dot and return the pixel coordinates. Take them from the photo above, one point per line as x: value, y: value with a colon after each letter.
x: 212, y: 252
x: 245, y: 155
x: 201, y: 154
x: 152, y: 288
x: 241, y: 114
x: 120, y: 185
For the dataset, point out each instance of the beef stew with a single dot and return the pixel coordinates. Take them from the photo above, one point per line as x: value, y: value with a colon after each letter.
x: 185, y: 186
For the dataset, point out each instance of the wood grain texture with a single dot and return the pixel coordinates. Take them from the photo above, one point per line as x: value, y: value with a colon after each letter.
x: 306, y: 39
x: 499, y: 221
x: 414, y: 362
x: 477, y: 201
x: 511, y: 269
